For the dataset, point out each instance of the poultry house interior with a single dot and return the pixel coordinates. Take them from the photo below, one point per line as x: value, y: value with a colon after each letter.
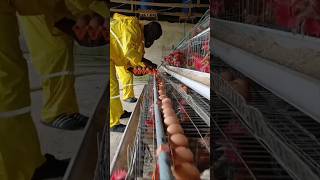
x: 168, y: 134
x: 265, y: 89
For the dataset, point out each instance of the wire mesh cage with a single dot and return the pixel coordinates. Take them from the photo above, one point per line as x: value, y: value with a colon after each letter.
x: 299, y: 16
x: 141, y: 156
x: 237, y: 153
x: 143, y: 162
x: 284, y: 129
x: 194, y: 127
x: 193, y: 52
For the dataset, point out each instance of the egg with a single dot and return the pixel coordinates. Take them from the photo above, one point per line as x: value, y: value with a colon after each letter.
x: 241, y: 86
x: 184, y: 88
x: 179, y: 140
x: 242, y: 82
x: 171, y: 120
x: 171, y: 115
x: 186, y: 171
x: 174, y: 129
x: 161, y: 92
x: 161, y: 86
x: 168, y: 114
x: 183, y: 154
x: 165, y: 106
x: 83, y: 21
x: 162, y: 97
x: 168, y: 110
x: 226, y: 75
x: 166, y: 100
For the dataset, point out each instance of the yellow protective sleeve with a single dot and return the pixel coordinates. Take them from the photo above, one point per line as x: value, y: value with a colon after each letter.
x: 132, y: 40
x: 126, y: 41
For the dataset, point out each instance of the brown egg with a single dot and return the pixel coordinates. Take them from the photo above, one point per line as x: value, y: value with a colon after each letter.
x: 186, y: 171
x: 241, y: 86
x: 168, y: 110
x: 179, y: 140
x: 169, y: 113
x: 162, y: 97
x: 161, y: 86
x: 174, y: 129
x: 166, y: 100
x: 183, y: 154
x: 242, y: 82
x: 171, y: 120
x: 184, y: 88
x: 165, y: 106
x: 226, y: 75
x: 161, y: 92
x: 161, y: 83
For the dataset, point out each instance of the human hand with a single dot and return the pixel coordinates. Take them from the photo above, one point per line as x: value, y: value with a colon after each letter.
x: 88, y: 30
x: 149, y: 64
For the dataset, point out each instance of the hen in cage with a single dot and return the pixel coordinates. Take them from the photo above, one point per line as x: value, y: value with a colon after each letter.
x: 301, y: 16
x: 193, y: 51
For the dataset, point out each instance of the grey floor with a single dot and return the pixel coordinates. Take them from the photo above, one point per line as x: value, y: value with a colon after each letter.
x: 64, y: 144
x: 61, y: 143
x: 115, y: 138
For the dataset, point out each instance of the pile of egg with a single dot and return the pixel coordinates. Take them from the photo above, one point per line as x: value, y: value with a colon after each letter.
x: 183, y: 158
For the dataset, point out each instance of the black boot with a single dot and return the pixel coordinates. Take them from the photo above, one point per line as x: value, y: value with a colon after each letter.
x: 52, y: 168
x: 131, y: 100
x: 118, y: 128
x: 125, y: 114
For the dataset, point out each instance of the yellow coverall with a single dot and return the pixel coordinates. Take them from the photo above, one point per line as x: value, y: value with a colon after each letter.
x: 126, y: 79
x: 20, y: 152
x: 126, y: 49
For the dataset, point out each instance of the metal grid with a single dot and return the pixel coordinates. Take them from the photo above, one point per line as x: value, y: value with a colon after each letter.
x: 283, y: 128
x: 195, y: 128
x: 199, y: 104
x: 236, y: 153
x: 282, y: 118
x: 193, y: 48
x: 141, y: 156
x: 300, y: 16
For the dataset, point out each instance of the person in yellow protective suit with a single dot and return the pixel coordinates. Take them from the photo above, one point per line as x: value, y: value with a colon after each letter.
x: 52, y: 56
x: 20, y: 154
x: 128, y: 38
x: 126, y: 79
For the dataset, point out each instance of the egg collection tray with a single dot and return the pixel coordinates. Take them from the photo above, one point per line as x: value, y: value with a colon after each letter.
x: 289, y: 135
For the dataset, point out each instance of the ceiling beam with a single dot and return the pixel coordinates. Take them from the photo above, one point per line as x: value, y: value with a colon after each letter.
x: 176, y: 5
x: 179, y: 14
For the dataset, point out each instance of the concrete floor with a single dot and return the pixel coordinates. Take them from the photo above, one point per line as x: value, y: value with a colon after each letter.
x: 115, y: 138
x: 64, y: 144
x: 61, y: 143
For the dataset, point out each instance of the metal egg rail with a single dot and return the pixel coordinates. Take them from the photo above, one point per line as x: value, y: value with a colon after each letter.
x: 285, y: 130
